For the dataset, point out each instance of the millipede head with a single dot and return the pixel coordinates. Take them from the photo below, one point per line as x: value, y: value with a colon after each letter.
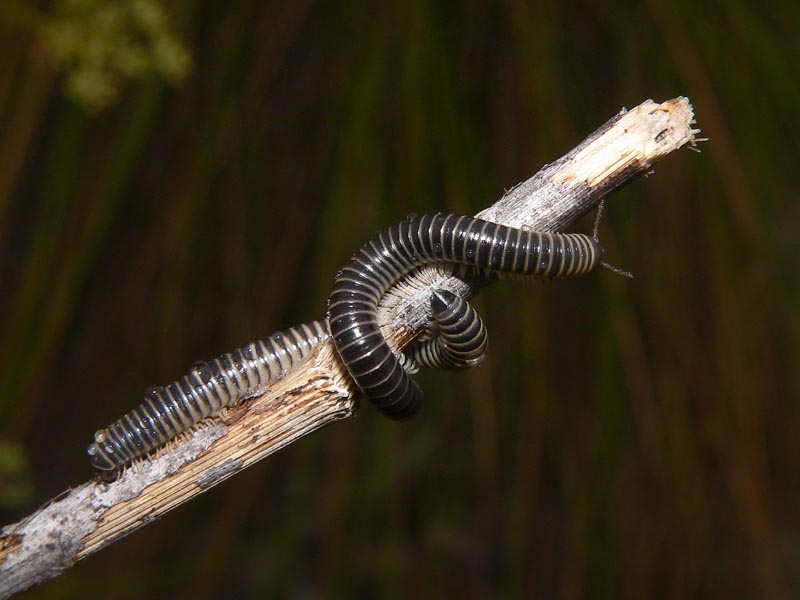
x: 101, y: 455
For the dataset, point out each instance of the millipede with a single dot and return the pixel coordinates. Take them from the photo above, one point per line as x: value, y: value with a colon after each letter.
x: 488, y: 248
x: 461, y: 341
x: 207, y: 388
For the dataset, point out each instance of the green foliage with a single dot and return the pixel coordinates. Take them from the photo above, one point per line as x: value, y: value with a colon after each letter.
x: 100, y: 46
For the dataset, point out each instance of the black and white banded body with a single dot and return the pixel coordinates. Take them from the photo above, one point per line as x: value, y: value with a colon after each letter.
x: 460, y: 338
x: 486, y: 247
x: 206, y: 389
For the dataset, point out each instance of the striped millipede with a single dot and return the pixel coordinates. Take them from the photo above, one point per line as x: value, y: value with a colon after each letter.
x: 461, y: 341
x: 209, y: 387
x: 487, y: 247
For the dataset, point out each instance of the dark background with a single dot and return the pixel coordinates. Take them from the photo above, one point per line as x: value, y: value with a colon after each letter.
x: 179, y: 178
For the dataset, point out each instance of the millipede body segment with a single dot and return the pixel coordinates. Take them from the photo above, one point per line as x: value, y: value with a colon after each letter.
x: 489, y: 248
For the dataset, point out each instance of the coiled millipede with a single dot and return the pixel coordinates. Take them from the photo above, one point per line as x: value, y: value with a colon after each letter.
x: 488, y: 248
x: 461, y: 339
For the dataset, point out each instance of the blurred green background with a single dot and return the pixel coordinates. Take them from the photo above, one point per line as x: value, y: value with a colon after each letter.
x: 180, y: 177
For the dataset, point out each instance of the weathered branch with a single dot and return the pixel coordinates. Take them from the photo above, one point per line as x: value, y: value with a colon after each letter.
x: 83, y: 520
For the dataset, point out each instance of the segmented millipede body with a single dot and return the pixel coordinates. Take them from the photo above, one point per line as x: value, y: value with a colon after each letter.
x: 461, y: 342
x: 487, y: 247
x: 208, y: 387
